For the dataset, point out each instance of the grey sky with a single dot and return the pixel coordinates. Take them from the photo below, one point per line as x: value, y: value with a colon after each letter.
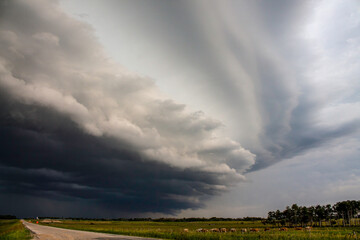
x: 266, y: 69
x: 194, y: 96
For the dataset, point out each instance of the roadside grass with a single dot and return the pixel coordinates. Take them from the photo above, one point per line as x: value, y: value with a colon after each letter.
x: 13, y: 229
x: 175, y: 230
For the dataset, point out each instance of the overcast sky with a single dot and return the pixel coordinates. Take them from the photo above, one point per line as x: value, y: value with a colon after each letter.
x: 175, y: 108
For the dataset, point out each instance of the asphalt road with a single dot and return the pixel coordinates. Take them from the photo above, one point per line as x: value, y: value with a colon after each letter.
x: 51, y: 233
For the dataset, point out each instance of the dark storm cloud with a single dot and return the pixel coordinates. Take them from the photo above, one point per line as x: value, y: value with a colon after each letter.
x: 44, y: 154
x: 77, y: 128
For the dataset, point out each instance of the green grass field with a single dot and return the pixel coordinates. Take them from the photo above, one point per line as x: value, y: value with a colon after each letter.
x: 175, y: 230
x: 13, y: 229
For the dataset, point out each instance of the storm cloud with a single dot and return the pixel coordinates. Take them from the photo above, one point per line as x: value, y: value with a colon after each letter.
x: 206, y: 93
x: 75, y: 125
x: 274, y: 72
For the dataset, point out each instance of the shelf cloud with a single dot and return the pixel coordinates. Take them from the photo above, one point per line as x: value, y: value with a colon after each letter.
x: 139, y: 108
x: 76, y: 125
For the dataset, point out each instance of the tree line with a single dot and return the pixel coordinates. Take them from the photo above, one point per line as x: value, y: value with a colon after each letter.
x: 346, y: 211
x: 7, y: 217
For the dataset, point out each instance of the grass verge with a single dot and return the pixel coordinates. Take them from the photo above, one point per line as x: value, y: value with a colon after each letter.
x: 13, y: 229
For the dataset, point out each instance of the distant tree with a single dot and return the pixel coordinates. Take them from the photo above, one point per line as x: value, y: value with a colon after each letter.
x: 328, y: 213
x: 271, y: 219
x: 7, y: 217
x: 288, y: 215
x: 320, y: 213
x: 342, y: 210
x: 295, y: 212
x: 279, y: 217
x: 304, y: 215
x: 311, y: 214
x: 346, y: 210
x: 295, y: 215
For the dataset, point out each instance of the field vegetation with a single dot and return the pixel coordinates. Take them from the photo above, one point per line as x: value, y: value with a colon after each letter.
x: 340, y: 221
x: 13, y: 229
x: 176, y: 230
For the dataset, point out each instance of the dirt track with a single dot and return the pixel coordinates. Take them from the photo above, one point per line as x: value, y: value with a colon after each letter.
x: 51, y: 233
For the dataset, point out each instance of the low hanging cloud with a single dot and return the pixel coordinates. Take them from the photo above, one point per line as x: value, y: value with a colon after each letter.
x: 77, y: 127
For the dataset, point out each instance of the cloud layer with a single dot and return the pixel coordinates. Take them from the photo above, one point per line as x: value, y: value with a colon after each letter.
x: 280, y: 80
x: 274, y: 73
x: 74, y: 125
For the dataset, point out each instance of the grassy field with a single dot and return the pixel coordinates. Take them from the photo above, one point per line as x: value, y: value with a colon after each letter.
x: 13, y: 229
x: 175, y: 230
